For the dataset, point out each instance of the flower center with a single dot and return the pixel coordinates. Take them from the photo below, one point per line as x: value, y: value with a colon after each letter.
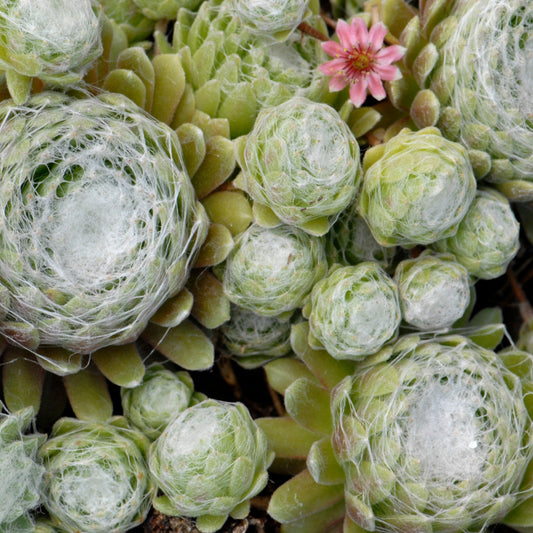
x: 361, y: 61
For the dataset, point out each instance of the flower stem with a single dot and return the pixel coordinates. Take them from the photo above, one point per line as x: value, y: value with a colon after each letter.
x: 309, y: 30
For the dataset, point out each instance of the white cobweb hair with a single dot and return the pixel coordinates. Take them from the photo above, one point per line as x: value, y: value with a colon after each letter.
x: 99, y: 220
x: 492, y: 52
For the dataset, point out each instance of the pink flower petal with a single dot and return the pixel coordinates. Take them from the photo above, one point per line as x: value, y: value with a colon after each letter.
x: 337, y: 83
x: 388, y: 72
x: 359, y: 32
x: 376, y: 35
x: 333, y: 49
x: 345, y: 33
x: 390, y: 54
x: 333, y: 67
x: 358, y: 92
x: 375, y: 86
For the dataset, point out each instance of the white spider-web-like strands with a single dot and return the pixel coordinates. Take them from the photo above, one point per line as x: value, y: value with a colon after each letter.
x: 209, y: 459
x: 55, y: 36
x: 355, y: 310
x: 267, y: 17
x: 302, y: 161
x: 492, y: 54
x: 270, y: 271
x: 446, y: 447
x: 96, y: 480
x: 98, y: 218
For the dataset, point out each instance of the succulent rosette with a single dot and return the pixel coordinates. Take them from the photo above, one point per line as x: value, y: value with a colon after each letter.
x: 434, y: 290
x: 301, y: 162
x: 96, y: 477
x: 490, y: 52
x: 487, y: 238
x: 434, y: 439
x: 209, y: 462
x: 271, y: 270
x: 22, y: 472
x: 416, y: 188
x: 272, y: 18
x: 350, y: 241
x: 429, y: 434
x: 252, y: 340
x: 353, y: 311
x: 234, y: 73
x: 99, y: 223
x: 159, y: 398
x: 54, y: 40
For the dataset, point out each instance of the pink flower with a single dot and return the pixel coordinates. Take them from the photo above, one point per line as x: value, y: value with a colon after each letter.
x: 361, y: 60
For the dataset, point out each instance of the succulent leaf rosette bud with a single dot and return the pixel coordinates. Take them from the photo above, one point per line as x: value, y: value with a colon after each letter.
x: 350, y: 241
x: 416, y: 189
x: 129, y: 18
x: 55, y: 40
x: 209, y: 462
x: 160, y: 397
x: 433, y: 439
x: 96, y: 476
x: 272, y: 18
x: 301, y: 161
x: 99, y: 221
x: 434, y: 290
x: 22, y: 472
x: 487, y: 238
x: 271, y: 270
x: 353, y: 311
x: 254, y: 339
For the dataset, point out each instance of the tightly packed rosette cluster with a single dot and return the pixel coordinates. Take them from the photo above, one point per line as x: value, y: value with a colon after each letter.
x: 54, y: 40
x: 99, y: 221
x: 209, y: 462
x: 22, y: 472
x: 300, y: 162
x: 96, y: 477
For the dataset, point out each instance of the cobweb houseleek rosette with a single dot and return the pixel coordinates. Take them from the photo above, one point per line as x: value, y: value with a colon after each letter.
x: 252, y: 339
x: 300, y: 162
x: 209, y: 462
x: 416, y: 188
x: 271, y: 270
x: 353, y: 311
x: 429, y: 434
x: 22, y: 472
x: 487, y: 238
x: 54, y: 40
x: 96, y: 477
x: 434, y: 290
x: 159, y: 398
x: 434, y: 439
x: 491, y: 54
x: 99, y: 221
